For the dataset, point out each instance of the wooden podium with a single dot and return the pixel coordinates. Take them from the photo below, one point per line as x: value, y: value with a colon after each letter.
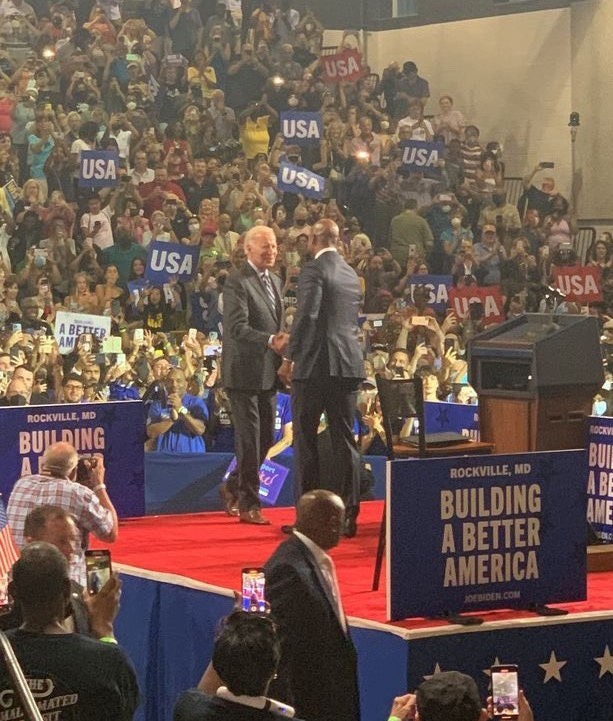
x: 536, y: 376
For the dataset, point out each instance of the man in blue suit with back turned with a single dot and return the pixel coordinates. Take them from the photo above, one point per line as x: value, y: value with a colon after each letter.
x: 324, y: 365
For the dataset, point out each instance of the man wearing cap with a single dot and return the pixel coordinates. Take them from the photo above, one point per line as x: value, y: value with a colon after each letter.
x: 410, y: 83
x: 489, y: 254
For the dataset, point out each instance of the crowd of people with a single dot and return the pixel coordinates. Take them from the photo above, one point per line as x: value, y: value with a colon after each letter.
x: 189, y: 96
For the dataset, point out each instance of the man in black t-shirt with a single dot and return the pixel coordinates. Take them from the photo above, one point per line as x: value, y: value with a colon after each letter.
x: 75, y: 677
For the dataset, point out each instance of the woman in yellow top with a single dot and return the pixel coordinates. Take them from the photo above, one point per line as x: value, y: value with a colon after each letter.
x: 200, y: 72
x: 254, y: 124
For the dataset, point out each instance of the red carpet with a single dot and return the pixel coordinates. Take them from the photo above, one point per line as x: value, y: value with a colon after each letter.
x: 211, y: 547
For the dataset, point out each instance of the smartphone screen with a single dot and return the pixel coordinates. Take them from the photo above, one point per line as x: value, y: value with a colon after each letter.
x: 505, y: 692
x: 16, y: 328
x: 449, y: 344
x: 419, y: 320
x: 98, y: 569
x: 191, y: 334
x: 254, y: 586
x: 139, y: 335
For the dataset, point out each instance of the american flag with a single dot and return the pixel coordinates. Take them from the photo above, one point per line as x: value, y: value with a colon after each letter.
x: 8, y: 553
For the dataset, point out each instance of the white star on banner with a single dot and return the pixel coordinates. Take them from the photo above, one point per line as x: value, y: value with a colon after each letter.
x: 605, y: 662
x: 488, y: 671
x: 437, y: 669
x: 552, y: 668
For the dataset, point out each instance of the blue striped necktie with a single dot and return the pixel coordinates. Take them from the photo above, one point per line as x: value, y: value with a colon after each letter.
x: 269, y: 289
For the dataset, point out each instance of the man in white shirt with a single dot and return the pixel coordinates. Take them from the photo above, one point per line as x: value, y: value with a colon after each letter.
x: 421, y: 129
x: 318, y: 669
x: 96, y: 224
x: 141, y: 173
x: 226, y: 239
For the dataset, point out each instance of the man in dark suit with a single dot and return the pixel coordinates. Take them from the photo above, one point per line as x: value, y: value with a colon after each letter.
x: 252, y: 344
x: 324, y: 364
x: 317, y: 673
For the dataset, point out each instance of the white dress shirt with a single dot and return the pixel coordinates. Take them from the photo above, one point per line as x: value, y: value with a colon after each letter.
x: 328, y: 571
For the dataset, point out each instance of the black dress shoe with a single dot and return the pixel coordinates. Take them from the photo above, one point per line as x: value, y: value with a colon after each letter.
x: 253, y: 516
x: 351, y: 528
x: 229, y: 499
x: 288, y: 530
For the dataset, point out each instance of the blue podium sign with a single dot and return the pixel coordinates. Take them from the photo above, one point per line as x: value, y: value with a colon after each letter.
x: 456, y: 417
x: 600, y: 477
x: 114, y: 429
x: 481, y: 532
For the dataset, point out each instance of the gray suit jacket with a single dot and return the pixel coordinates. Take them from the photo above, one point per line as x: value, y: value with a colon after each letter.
x: 247, y: 363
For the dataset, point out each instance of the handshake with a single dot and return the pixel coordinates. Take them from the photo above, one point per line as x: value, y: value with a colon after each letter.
x: 279, y: 343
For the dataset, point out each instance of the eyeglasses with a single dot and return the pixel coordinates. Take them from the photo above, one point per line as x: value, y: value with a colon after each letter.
x: 73, y: 387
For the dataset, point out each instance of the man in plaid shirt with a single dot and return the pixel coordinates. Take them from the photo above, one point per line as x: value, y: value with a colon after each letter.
x: 56, y: 485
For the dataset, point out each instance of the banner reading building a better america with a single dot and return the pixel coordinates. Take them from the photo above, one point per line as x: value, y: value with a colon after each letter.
x: 115, y: 430
x: 600, y: 477
x: 484, y: 532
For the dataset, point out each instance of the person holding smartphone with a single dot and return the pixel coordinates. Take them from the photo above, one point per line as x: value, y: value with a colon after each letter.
x: 235, y: 685
x: 56, y: 484
x: 91, y: 680
x: 450, y: 695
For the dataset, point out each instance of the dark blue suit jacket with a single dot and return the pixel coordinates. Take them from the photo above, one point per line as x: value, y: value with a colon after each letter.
x: 324, y: 338
x: 318, y: 669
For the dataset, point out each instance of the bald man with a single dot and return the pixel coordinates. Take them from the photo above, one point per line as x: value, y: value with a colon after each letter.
x: 324, y: 364
x: 317, y: 673
x: 252, y: 349
x: 82, y: 678
x: 87, y: 501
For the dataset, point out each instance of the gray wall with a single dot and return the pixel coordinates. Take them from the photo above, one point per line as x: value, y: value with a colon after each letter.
x: 346, y: 14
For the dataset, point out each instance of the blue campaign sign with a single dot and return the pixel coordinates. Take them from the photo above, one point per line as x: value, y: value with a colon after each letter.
x: 294, y: 179
x: 272, y: 477
x: 171, y: 260
x: 437, y: 286
x: 420, y: 156
x: 600, y: 477
x: 302, y: 128
x: 114, y: 429
x: 452, y: 417
x: 472, y: 533
x: 99, y: 169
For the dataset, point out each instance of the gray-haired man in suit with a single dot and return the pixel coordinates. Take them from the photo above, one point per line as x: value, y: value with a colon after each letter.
x: 252, y: 346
